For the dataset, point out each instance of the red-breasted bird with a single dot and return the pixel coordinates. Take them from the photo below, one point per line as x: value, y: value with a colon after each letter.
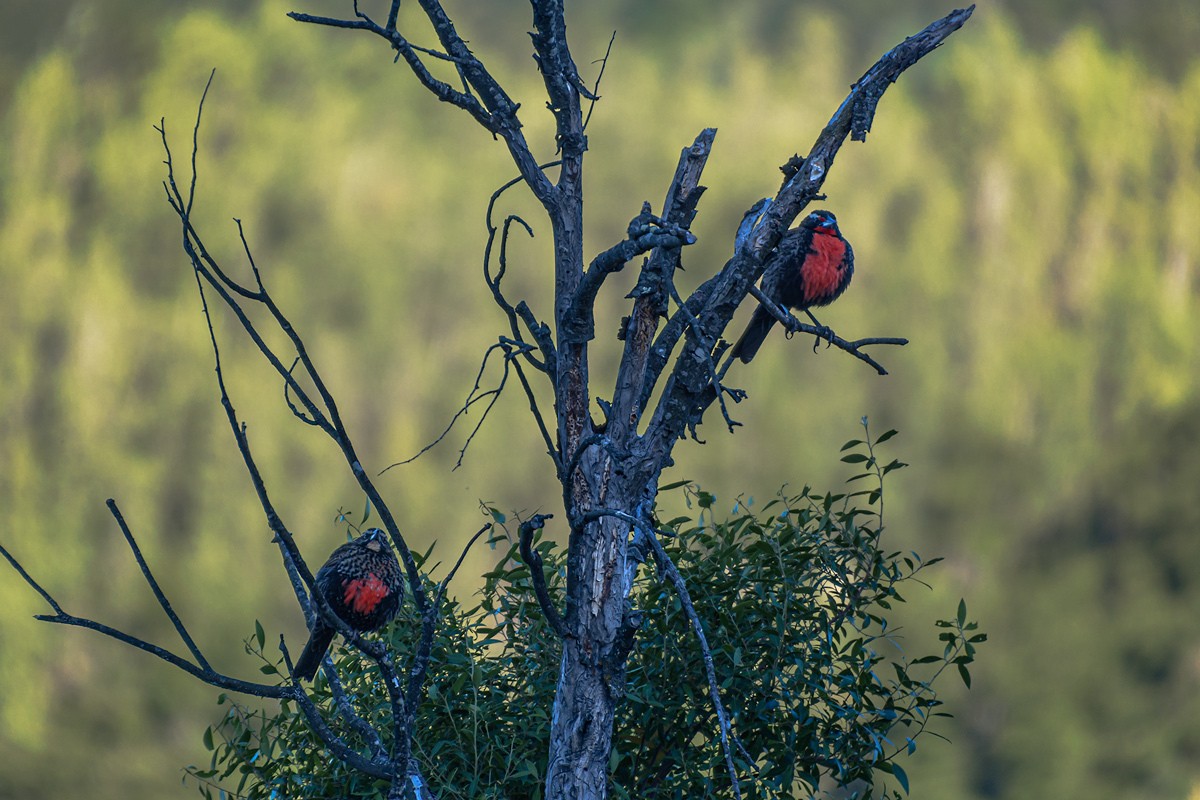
x: 363, y: 584
x: 811, y: 266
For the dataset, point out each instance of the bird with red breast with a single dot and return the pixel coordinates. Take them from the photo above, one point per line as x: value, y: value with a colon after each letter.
x: 363, y: 584
x: 811, y: 267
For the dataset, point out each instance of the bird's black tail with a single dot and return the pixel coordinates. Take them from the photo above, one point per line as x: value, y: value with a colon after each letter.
x: 314, y: 651
x: 756, y: 332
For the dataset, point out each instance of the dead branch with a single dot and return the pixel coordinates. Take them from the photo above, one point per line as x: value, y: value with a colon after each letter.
x: 646, y: 232
x: 533, y: 560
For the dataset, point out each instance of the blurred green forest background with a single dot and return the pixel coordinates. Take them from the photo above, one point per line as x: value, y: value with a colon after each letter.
x: 1026, y: 211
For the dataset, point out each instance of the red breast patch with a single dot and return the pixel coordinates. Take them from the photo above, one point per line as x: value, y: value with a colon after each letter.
x: 822, y: 269
x: 363, y: 594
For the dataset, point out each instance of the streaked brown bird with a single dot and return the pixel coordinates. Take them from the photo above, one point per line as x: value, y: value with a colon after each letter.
x: 363, y: 584
x: 810, y: 267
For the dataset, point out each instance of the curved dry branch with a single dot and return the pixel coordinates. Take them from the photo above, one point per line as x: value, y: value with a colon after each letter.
x: 533, y: 560
x: 537, y: 329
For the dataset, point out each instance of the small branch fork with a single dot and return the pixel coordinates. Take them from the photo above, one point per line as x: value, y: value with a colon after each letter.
x: 511, y: 350
x: 200, y: 667
x: 482, y: 96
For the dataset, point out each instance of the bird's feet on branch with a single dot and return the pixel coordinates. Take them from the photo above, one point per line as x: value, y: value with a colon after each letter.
x: 823, y: 332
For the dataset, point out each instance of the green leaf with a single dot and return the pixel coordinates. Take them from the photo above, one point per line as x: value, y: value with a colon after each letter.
x: 883, y: 437
x: 208, y: 738
x: 854, y: 458
x: 849, y: 444
x: 260, y: 634
x: 901, y: 777
x: 962, y: 612
x: 366, y: 512
x: 965, y: 674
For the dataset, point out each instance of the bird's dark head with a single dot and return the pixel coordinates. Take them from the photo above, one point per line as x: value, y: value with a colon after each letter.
x: 374, y: 539
x: 822, y: 221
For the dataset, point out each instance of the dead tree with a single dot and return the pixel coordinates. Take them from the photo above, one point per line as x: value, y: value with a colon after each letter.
x: 608, y: 465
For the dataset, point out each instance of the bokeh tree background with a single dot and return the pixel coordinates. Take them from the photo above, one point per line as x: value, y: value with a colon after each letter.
x: 1026, y: 211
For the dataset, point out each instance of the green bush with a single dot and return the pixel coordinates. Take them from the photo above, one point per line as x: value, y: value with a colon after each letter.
x: 793, y: 600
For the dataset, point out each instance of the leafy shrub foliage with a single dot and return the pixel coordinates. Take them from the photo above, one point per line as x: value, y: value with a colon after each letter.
x: 793, y: 600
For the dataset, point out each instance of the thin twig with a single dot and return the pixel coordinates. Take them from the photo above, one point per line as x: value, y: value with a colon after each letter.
x: 441, y: 590
x: 50, y: 601
x: 520, y: 311
x: 551, y: 450
x: 596, y: 86
x: 300, y: 415
x: 298, y: 571
x: 196, y: 139
x: 154, y: 587
x: 672, y: 572
x: 511, y: 350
